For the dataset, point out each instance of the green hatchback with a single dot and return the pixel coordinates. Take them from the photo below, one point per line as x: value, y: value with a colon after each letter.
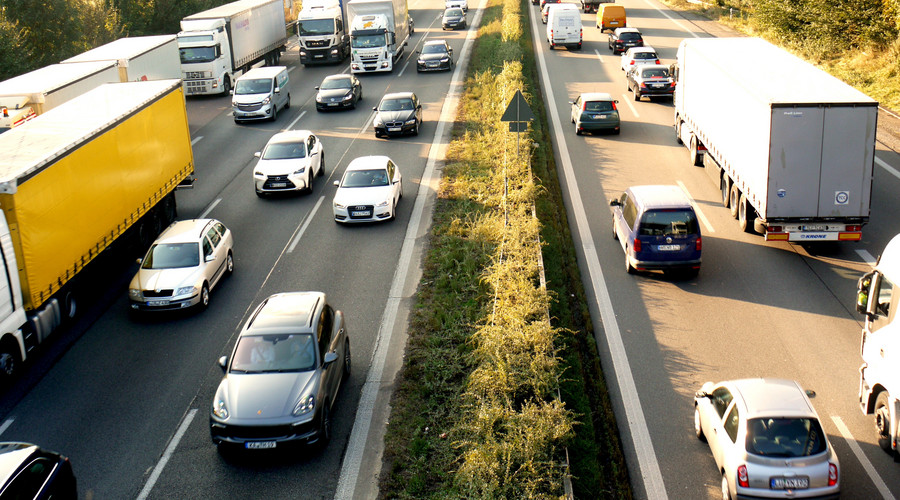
x: 595, y: 111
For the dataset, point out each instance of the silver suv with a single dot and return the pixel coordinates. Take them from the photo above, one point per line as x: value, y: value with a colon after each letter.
x: 283, y: 375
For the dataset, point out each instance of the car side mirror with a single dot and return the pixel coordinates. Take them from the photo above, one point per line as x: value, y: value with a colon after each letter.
x: 702, y: 394
x: 418, y: 52
x: 330, y: 357
x: 615, y: 203
x: 317, y: 87
x: 374, y: 108
x: 810, y: 393
x: 277, y: 90
x: 231, y: 92
x: 257, y: 154
x: 337, y: 183
x: 223, y: 363
x: 140, y: 261
x: 209, y: 258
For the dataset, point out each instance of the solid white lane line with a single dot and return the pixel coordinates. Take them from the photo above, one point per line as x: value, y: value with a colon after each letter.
x: 637, y: 424
x: 195, y: 141
x: 350, y: 468
x: 291, y: 126
x: 700, y: 214
x: 154, y: 476
x: 863, y: 460
x: 866, y: 257
x: 6, y: 425
x: 627, y: 99
x: 306, y: 222
x: 883, y: 164
x: 670, y: 18
x: 210, y: 208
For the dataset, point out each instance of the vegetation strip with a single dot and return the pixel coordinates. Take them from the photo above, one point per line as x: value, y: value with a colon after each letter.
x: 476, y: 412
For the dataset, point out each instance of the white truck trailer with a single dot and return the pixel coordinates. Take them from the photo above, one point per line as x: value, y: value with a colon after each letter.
x: 321, y: 32
x: 219, y: 44
x: 138, y: 58
x: 878, y: 298
x: 27, y: 96
x: 379, y: 30
x: 790, y: 147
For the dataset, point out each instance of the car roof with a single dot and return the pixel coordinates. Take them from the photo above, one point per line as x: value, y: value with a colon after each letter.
x: 643, y: 67
x: 565, y: 6
x: 284, y: 312
x: 184, y: 231
x: 627, y: 30
x: 368, y: 162
x: 339, y: 76
x: 645, y: 48
x: 434, y: 42
x: 659, y: 196
x: 289, y: 136
x: 12, y: 455
x: 263, y: 72
x: 772, y: 397
x: 596, y: 96
x: 398, y: 95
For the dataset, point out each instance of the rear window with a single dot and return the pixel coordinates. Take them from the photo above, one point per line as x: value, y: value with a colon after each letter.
x: 669, y: 223
x: 644, y: 55
x: 598, y: 106
x: 785, y: 437
x: 630, y: 35
x: 655, y: 73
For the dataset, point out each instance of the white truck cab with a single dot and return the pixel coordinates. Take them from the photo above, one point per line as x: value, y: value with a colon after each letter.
x: 879, y: 375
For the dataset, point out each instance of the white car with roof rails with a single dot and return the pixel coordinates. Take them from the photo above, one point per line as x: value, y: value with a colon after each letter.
x: 288, y: 163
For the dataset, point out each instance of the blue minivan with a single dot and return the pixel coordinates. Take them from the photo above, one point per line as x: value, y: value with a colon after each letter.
x: 658, y: 229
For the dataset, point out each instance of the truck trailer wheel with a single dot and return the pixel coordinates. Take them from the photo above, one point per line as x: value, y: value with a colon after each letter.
x: 725, y: 186
x: 226, y: 85
x: 696, y: 155
x: 9, y: 361
x: 746, y: 215
x: 678, y: 132
x: 883, y: 421
x: 734, y: 200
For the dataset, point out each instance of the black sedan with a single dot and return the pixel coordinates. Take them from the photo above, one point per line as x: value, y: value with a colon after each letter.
x: 436, y: 55
x: 338, y: 92
x: 651, y: 80
x: 454, y: 18
x: 398, y: 113
x: 623, y: 39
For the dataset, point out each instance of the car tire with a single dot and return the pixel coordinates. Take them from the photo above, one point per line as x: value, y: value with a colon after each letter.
x: 883, y: 421
x: 615, y: 235
x: 698, y: 429
x: 616, y: 131
x: 416, y: 129
x: 274, y: 113
x: 260, y: 193
x: 734, y: 199
x: 321, y: 171
x: 309, y: 183
x: 226, y: 85
x: 204, y: 296
x: 325, y: 426
x: 9, y: 363
x: 577, y: 130
x: 347, y: 360
x: 229, y: 264
x: 746, y: 215
x: 726, y: 491
x: 400, y: 191
x: 629, y: 269
x: 287, y: 105
x: 637, y: 95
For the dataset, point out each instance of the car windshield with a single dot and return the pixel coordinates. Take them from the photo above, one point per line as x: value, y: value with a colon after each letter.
x: 315, y: 27
x: 453, y: 13
x: 644, y: 55
x: 366, y: 41
x: 655, y: 73
x: 172, y: 255
x: 598, y: 106
x: 395, y: 104
x: 284, y: 151
x: 675, y: 222
x: 785, y: 437
x: 197, y: 54
x: 434, y: 49
x: 253, y: 86
x: 365, y: 178
x: 275, y: 353
x: 336, y: 83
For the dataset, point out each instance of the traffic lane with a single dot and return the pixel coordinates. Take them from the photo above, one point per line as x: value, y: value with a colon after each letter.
x: 850, y: 364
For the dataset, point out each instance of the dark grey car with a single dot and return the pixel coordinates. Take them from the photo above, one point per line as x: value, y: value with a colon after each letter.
x: 398, y: 113
x: 283, y: 375
x: 454, y: 18
x: 338, y: 92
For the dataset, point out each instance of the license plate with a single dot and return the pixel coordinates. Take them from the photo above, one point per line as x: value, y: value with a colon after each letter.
x: 260, y: 445
x: 362, y: 213
x: 332, y: 104
x: 814, y: 227
x: 613, y: 22
x: 659, y: 85
x: 789, y: 483
x: 279, y: 184
x: 668, y: 248
x: 157, y: 302
x: 600, y: 117
x: 432, y: 65
x: 393, y: 129
x: 318, y: 56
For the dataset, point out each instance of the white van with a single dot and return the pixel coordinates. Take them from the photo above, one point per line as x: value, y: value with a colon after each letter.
x: 564, y: 26
x: 259, y: 93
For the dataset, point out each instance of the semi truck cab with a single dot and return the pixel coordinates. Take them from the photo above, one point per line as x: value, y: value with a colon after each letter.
x: 878, y: 298
x: 373, y: 44
x: 205, y: 57
x: 321, y: 34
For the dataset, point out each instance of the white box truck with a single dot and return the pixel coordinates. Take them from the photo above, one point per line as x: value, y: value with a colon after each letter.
x: 321, y: 33
x: 791, y: 147
x: 878, y: 298
x: 379, y: 30
x: 138, y: 58
x: 27, y: 96
x: 219, y: 44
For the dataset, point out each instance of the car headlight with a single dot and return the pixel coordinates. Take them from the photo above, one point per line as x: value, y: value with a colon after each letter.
x: 299, y: 170
x: 348, y: 96
x: 135, y: 294
x: 219, y: 409
x: 377, y: 122
x: 234, y: 104
x: 304, y: 406
x: 267, y: 100
x: 383, y: 204
x: 185, y: 290
x: 338, y: 205
x: 319, y: 98
x: 334, y: 51
x: 411, y: 121
x: 445, y: 59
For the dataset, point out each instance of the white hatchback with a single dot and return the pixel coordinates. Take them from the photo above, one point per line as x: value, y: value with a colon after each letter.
x: 288, y: 163
x: 460, y: 4
x: 638, y: 55
x: 369, y: 190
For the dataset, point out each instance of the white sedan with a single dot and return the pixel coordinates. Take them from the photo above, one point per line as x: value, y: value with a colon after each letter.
x: 369, y: 190
x: 288, y: 163
x: 460, y: 4
x: 638, y: 55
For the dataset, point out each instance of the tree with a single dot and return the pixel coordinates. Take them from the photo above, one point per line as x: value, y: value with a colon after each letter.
x: 14, y: 53
x: 50, y: 28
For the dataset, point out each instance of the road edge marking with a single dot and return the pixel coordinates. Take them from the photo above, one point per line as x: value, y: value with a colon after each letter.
x: 863, y: 460
x: 170, y: 450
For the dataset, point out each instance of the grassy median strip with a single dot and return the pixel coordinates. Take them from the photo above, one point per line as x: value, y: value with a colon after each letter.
x: 477, y: 412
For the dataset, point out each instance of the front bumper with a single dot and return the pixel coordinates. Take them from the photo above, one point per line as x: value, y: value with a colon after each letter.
x: 394, y: 129
x: 362, y: 213
x: 429, y: 66
x: 334, y: 104
x: 165, y: 303
x: 264, y: 436
x: 280, y: 183
x: 252, y: 112
x: 452, y: 25
x: 326, y: 55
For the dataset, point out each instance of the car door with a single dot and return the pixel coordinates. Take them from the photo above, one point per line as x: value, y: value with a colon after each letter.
x: 724, y: 425
x: 624, y: 216
x: 394, y: 175
x: 576, y: 109
x: 330, y: 372
x: 314, y: 149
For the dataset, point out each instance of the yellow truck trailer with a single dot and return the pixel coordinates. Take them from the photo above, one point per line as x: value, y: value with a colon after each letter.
x: 97, y: 170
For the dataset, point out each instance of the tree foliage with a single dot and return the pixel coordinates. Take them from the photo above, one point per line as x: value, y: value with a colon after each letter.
x: 14, y: 51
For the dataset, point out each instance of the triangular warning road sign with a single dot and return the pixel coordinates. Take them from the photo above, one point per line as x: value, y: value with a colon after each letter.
x: 518, y: 110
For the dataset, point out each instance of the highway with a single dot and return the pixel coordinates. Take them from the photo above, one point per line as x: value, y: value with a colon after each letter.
x: 756, y: 309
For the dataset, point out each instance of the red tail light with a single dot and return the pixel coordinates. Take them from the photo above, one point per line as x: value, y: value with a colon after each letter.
x: 637, y: 245
x: 743, y: 479
x: 657, y: 61
x: 854, y: 228
x: 614, y: 106
x: 699, y: 244
x: 584, y: 106
x: 776, y: 229
x: 5, y: 112
x: 832, y: 474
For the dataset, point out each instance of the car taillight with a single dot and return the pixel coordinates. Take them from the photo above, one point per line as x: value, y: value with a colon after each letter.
x: 699, y: 244
x: 832, y: 474
x: 743, y: 479
x: 614, y: 106
x: 632, y: 62
x: 637, y: 245
x: 657, y: 61
x: 620, y: 41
